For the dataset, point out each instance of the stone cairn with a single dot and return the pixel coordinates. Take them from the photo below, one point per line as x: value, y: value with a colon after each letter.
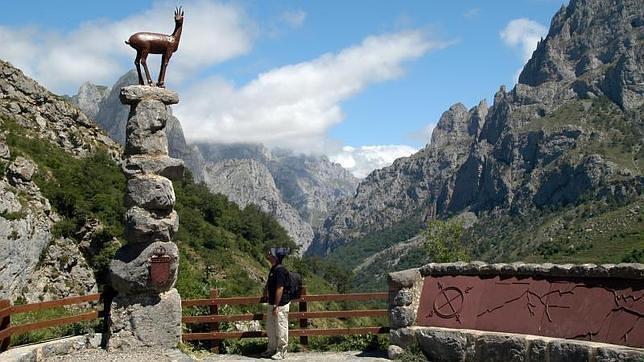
x: 146, y: 310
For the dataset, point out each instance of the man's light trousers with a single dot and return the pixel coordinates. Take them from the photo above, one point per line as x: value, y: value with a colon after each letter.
x: 277, y: 329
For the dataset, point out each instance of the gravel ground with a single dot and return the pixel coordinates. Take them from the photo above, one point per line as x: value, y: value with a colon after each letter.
x: 178, y: 356
x: 100, y: 355
x: 310, y: 356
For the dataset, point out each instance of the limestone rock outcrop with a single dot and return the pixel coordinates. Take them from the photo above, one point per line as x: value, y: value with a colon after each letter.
x: 89, y: 97
x: 63, y: 272
x: 250, y: 182
x: 34, y: 264
x: 51, y: 117
x: 147, y: 308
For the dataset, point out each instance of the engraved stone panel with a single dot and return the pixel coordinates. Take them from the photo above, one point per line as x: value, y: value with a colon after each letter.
x: 595, y: 309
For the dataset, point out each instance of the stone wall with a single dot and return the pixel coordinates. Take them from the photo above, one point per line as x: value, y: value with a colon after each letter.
x: 543, y: 299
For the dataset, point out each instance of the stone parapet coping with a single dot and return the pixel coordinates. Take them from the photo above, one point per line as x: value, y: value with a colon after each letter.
x: 521, y: 269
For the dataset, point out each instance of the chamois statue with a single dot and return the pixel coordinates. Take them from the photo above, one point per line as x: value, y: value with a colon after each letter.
x: 154, y: 43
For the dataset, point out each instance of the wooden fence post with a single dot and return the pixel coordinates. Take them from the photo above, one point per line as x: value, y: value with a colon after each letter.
x: 5, y: 323
x: 304, y: 340
x: 214, y: 327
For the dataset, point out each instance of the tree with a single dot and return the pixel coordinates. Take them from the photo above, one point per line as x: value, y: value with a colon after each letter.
x: 443, y: 241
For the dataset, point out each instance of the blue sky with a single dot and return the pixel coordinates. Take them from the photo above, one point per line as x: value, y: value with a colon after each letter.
x: 358, y: 80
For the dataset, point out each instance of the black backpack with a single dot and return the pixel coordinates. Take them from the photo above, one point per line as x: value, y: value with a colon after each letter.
x: 293, y: 285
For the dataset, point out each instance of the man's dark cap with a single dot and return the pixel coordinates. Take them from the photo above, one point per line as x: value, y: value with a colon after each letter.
x: 280, y: 252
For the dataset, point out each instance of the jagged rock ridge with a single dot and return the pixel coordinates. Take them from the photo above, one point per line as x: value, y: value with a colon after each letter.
x: 549, y: 141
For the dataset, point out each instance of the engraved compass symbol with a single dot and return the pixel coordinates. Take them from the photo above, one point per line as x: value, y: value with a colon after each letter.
x: 448, y: 302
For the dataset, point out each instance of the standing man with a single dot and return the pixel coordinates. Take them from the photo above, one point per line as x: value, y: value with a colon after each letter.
x: 276, y: 294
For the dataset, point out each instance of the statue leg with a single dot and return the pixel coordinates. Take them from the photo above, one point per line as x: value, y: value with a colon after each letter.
x: 137, y: 63
x: 165, y: 59
x: 144, y: 61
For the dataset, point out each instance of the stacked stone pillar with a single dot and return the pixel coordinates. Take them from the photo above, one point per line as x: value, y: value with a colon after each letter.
x: 146, y: 311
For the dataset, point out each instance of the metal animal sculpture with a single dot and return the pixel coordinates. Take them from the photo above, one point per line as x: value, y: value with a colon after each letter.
x: 155, y: 43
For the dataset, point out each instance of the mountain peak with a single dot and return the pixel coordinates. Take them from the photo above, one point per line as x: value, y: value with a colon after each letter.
x: 594, y: 43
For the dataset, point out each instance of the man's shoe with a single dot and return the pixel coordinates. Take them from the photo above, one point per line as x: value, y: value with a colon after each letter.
x: 278, y: 356
x: 267, y: 354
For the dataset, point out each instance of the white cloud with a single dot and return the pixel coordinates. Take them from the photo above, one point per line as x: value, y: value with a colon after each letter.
x: 294, y: 106
x: 96, y: 51
x: 523, y: 34
x: 362, y: 160
x: 294, y: 18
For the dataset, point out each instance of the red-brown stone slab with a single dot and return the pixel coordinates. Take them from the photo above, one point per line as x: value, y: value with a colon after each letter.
x: 601, y: 310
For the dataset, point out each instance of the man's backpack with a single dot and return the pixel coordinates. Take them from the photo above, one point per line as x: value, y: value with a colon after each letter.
x: 293, y: 285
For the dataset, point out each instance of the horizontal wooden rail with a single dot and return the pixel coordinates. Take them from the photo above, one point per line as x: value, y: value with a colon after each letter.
x: 55, y: 303
x: 220, y: 301
x: 5, y: 333
x: 293, y: 332
x: 291, y: 315
x: 23, y: 328
x: 344, y: 297
x: 305, y: 298
x: 5, y: 312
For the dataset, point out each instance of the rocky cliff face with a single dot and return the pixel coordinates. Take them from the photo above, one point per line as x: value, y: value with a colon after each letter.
x: 246, y: 181
x: 570, y: 129
x: 596, y: 47
x: 311, y: 184
x: 89, y: 97
x: 28, y: 250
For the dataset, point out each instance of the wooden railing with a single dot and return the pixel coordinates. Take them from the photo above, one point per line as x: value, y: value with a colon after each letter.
x: 303, y: 315
x: 7, y: 310
x: 213, y: 319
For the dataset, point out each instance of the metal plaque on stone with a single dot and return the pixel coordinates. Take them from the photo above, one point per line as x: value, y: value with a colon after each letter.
x: 160, y: 263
